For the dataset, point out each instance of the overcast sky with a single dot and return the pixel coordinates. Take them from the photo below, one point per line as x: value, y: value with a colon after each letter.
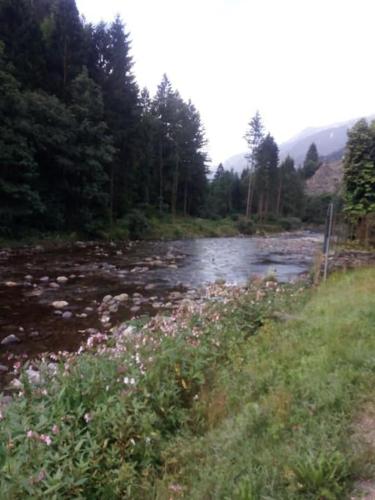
x: 300, y: 62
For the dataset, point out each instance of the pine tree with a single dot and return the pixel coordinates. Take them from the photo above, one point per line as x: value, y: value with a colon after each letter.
x: 122, y: 113
x: 64, y: 38
x: 254, y: 137
x: 290, y: 191
x: 23, y: 42
x: 88, y: 197
x: 266, y: 176
x: 359, y: 176
x: 19, y: 198
x: 311, y: 162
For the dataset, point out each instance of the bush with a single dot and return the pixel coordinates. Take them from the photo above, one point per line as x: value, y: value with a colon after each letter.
x: 290, y: 223
x: 138, y: 224
x: 245, y: 226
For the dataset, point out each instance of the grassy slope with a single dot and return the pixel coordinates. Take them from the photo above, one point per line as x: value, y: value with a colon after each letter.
x: 234, y: 415
x: 291, y: 397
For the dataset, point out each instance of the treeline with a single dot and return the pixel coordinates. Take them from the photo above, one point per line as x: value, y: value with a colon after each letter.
x: 267, y: 188
x: 80, y: 144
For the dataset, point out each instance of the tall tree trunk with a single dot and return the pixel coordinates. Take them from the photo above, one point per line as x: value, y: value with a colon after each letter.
x: 111, y: 194
x: 185, y: 198
x: 260, y: 207
x: 175, y: 187
x: 161, y: 168
x: 249, y: 195
x: 278, y: 205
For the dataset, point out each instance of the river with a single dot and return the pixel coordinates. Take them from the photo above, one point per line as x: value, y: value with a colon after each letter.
x: 145, y: 278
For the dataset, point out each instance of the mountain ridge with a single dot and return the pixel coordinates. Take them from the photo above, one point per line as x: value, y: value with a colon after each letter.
x: 329, y: 139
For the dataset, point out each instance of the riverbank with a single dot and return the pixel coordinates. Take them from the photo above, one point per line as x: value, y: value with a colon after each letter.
x: 140, y: 227
x: 251, y: 393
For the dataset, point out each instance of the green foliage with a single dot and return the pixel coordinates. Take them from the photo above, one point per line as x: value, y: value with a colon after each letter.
x: 311, y: 163
x: 359, y: 175
x: 245, y: 226
x: 137, y: 224
x: 315, y: 210
x: 80, y: 146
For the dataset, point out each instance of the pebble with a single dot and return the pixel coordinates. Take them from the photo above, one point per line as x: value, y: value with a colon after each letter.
x: 59, y: 304
x: 67, y: 315
x: 28, y: 277
x: 123, y: 297
x: 44, y: 279
x: 62, y: 280
x: 11, y: 339
x: 34, y: 335
x: 82, y: 315
x: 10, y: 284
x: 54, y: 285
x: 89, y: 309
x: 135, y: 309
x: 107, y: 299
x: 149, y: 287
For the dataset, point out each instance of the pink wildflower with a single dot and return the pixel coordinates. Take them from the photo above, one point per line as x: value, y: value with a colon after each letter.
x: 87, y: 417
x: 44, y: 438
x: 55, y: 430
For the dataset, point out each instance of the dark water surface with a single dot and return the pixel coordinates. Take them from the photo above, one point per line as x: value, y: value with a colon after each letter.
x: 158, y: 273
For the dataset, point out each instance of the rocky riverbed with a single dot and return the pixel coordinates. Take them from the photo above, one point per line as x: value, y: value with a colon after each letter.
x: 54, y: 299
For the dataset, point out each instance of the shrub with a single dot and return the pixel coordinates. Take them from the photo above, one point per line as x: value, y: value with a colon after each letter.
x: 137, y: 224
x: 290, y: 223
x: 245, y: 226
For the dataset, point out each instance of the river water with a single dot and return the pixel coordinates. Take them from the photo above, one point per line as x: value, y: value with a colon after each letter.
x: 155, y: 276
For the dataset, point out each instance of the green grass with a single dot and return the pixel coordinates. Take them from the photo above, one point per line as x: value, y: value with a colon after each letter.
x: 228, y: 404
x: 189, y: 227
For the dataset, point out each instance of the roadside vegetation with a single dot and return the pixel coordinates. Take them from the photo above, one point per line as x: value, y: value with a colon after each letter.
x: 252, y: 395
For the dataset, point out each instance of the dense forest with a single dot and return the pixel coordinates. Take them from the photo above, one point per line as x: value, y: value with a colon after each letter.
x: 82, y: 146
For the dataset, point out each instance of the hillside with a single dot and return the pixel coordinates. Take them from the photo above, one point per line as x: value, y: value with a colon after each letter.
x: 327, y: 179
x: 329, y: 140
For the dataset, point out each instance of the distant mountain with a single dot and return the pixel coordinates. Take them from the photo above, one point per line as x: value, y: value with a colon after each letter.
x: 330, y: 141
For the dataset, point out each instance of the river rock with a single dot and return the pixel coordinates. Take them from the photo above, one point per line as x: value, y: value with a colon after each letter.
x: 82, y: 315
x: 10, y: 284
x: 28, y: 277
x: 123, y: 297
x: 67, y: 315
x: 60, y: 304
x: 10, y: 339
x: 44, y: 279
x: 54, y: 286
x: 135, y: 309
x: 58, y: 312
x: 62, y: 280
x: 107, y: 299
x: 34, y: 335
x: 173, y: 266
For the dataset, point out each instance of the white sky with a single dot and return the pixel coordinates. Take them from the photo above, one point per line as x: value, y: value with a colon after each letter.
x: 300, y: 62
